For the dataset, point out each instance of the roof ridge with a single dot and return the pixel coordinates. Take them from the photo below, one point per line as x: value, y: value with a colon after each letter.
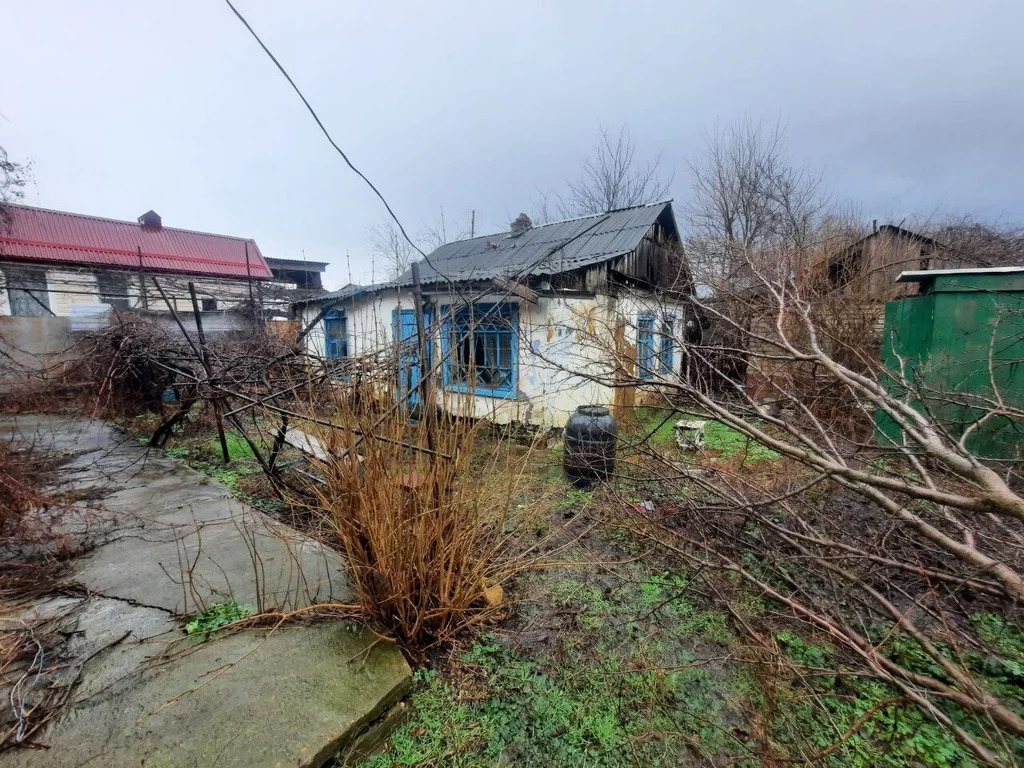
x: 566, y: 221
x: 123, y: 221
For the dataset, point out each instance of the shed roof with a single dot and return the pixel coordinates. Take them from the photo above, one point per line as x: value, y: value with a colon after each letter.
x: 546, y: 249
x: 58, y: 237
x: 297, y: 264
x: 918, y: 276
x: 350, y: 291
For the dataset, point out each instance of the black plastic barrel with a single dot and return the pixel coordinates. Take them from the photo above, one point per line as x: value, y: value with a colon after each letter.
x: 590, y: 437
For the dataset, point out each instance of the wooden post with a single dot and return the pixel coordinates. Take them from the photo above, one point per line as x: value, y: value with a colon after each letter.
x: 205, y: 359
x: 142, y: 280
x: 426, y: 383
x: 248, y: 275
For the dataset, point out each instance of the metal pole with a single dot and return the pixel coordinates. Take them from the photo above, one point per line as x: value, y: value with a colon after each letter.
x: 209, y: 371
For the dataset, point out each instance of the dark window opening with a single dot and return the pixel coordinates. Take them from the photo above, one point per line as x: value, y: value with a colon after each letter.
x: 27, y: 291
x: 113, y: 288
x: 842, y: 269
x: 209, y: 305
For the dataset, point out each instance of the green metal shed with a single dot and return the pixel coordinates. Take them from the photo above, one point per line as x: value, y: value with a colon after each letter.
x: 960, y: 342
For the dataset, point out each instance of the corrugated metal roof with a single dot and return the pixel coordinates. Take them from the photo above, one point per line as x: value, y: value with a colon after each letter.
x: 348, y: 292
x: 546, y: 249
x: 38, y: 234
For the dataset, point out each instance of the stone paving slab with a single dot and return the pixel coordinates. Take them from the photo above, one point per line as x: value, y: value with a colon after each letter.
x: 165, y: 540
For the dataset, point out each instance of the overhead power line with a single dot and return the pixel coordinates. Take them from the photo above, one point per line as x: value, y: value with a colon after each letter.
x: 327, y: 133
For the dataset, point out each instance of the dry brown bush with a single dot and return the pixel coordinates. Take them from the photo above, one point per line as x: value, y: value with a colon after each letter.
x: 424, y: 533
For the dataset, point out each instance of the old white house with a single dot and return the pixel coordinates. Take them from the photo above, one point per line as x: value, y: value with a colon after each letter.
x: 522, y: 324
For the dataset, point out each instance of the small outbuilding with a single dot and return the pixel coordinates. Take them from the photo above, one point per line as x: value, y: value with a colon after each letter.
x: 956, y: 348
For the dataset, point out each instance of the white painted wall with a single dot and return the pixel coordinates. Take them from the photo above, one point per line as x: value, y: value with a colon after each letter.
x: 68, y: 287
x: 557, y: 335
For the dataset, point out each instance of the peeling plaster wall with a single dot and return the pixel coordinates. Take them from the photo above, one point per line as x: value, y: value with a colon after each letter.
x: 558, y: 338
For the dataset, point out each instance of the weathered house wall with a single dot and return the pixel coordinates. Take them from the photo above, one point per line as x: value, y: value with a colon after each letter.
x: 557, y: 338
x: 66, y: 288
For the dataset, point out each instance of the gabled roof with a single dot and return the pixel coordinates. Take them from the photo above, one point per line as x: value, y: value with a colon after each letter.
x: 892, y: 229
x: 546, y: 249
x: 56, y: 237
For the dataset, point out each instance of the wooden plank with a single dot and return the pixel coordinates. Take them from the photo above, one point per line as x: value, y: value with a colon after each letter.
x: 520, y: 290
x: 310, y: 445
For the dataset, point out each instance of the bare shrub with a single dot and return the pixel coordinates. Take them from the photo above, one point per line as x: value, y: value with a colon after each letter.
x: 424, y: 539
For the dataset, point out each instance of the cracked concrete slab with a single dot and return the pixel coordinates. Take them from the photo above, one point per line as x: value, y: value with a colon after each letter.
x: 165, y: 540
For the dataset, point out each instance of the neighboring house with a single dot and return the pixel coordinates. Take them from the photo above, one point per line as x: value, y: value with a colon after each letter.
x: 868, y: 268
x: 847, y: 289
x: 515, y: 316
x: 304, y: 275
x: 54, y: 263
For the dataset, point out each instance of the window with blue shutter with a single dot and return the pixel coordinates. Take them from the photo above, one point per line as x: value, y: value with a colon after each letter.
x: 335, y: 334
x: 481, y: 349
x: 645, y: 346
x: 665, y: 361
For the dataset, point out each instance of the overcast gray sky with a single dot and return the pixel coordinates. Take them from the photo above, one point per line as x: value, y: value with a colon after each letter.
x: 911, y: 107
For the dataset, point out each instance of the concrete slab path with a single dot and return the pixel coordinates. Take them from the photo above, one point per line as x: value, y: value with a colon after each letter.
x: 165, y: 541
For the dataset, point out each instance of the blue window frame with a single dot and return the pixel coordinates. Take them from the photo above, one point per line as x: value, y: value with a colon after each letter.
x: 665, y: 358
x: 645, y: 346
x: 335, y: 334
x: 481, y: 349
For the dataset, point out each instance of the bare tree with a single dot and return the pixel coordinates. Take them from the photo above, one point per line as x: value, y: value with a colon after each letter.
x: 441, y: 231
x: 747, y: 196
x: 901, y: 548
x: 967, y: 242
x: 13, y: 178
x: 396, y: 252
x: 612, y: 178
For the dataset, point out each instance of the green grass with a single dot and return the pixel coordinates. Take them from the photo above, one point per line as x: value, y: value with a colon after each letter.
x: 216, y: 616
x: 613, y: 682
x: 719, y: 437
x: 237, y: 447
x: 730, y: 443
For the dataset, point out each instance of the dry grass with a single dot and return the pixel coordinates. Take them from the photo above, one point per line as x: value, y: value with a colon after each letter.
x: 20, y: 476
x: 28, y: 572
x: 426, y: 537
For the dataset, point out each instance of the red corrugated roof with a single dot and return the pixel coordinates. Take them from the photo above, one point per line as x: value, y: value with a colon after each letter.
x: 37, y: 234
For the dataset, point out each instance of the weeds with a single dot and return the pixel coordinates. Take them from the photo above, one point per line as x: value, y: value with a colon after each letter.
x: 216, y: 616
x: 600, y: 669
x: 895, y: 733
x: 724, y: 441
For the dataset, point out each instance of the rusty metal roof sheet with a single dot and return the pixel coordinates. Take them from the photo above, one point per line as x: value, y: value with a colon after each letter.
x: 73, y: 239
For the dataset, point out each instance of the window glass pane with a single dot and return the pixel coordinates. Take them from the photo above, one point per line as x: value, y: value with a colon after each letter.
x: 645, y: 346
x: 482, y: 354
